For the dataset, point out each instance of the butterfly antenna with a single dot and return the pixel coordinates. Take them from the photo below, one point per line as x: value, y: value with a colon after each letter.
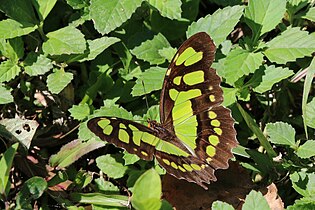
x: 145, y: 95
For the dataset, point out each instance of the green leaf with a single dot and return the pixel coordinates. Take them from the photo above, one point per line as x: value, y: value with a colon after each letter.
x: 238, y: 63
x: 310, y: 114
x: 5, y: 95
x: 263, y: 16
x: 5, y: 165
x: 107, y: 15
x: 229, y: 96
x: 149, y: 50
x: 44, y: 7
x: 14, y: 49
x: 147, y: 191
x: 32, y: 189
x: 168, y: 53
x: 310, y: 15
x: 10, y: 29
x: 19, y: 10
x: 306, y: 150
x: 106, y: 186
x: 67, y: 40
x: 72, y: 151
x: 290, y: 45
x: 255, y: 200
x: 100, y: 199
x: 272, y: 76
x: 218, y: 25
x: 58, y: 80
x: 219, y: 205
x: 8, y: 71
x: 281, y: 133
x: 150, y: 80
x: 130, y: 158
x: 303, y: 183
x: 170, y: 9
x: 112, y: 166
x: 79, y: 112
x: 22, y: 130
x: 37, y: 64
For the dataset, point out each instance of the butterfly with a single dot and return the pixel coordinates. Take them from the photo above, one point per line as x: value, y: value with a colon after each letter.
x: 196, y: 133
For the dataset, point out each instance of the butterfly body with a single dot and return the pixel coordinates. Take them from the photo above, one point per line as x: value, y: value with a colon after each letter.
x: 196, y: 133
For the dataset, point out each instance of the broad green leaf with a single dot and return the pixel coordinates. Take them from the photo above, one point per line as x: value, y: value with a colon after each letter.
x: 78, y: 4
x: 255, y: 200
x: 112, y: 166
x: 37, y: 64
x: 168, y: 53
x: 263, y: 16
x: 44, y: 7
x: 310, y: 15
x: 281, y: 133
x: 58, y: 80
x: 150, y: 80
x: 10, y: 29
x: 219, y: 205
x: 149, y: 50
x: 147, y: 191
x: 130, y: 158
x: 97, y: 46
x: 79, y: 112
x: 303, y: 183
x: 293, y: 6
x: 310, y: 114
x: 238, y: 63
x: 218, y: 25
x: 5, y: 165
x: 32, y: 189
x: 100, y: 199
x: 8, y: 71
x: 304, y: 203
x: 22, y: 130
x: 256, y: 130
x: 272, y: 76
x: 290, y: 45
x: 170, y: 9
x: 19, y: 10
x: 5, y: 95
x: 307, y: 149
x: 229, y: 96
x: 107, y: 15
x: 72, y: 151
x: 67, y: 40
x: 106, y: 186
x: 13, y: 49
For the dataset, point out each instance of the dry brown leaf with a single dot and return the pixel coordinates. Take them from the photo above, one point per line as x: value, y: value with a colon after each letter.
x: 273, y: 199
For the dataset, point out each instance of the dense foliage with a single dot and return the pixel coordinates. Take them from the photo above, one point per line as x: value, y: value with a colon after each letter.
x: 66, y: 61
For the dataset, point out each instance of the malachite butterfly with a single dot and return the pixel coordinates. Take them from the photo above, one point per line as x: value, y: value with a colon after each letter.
x: 196, y: 133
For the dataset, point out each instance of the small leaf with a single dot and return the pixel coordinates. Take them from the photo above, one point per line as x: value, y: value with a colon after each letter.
x: 72, y: 151
x: 37, y: 64
x: 310, y: 113
x: 238, y: 63
x: 306, y: 150
x: 147, y: 191
x: 272, y: 76
x: 5, y: 165
x: 170, y: 9
x: 150, y: 80
x: 79, y: 112
x: 10, y: 29
x: 58, y: 80
x: 149, y: 50
x: 255, y: 200
x: 281, y: 133
x: 32, y: 189
x: 100, y: 199
x: 229, y: 96
x: 168, y: 53
x: 107, y: 15
x: 290, y: 45
x: 218, y: 25
x: 219, y: 205
x: 5, y: 95
x: 8, y: 71
x: 310, y: 15
x: 130, y: 158
x: 303, y: 183
x: 44, y: 7
x: 67, y: 40
x: 22, y: 130
x: 111, y: 166
x: 263, y: 16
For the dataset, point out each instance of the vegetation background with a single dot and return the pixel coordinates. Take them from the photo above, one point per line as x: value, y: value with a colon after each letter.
x: 66, y: 61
